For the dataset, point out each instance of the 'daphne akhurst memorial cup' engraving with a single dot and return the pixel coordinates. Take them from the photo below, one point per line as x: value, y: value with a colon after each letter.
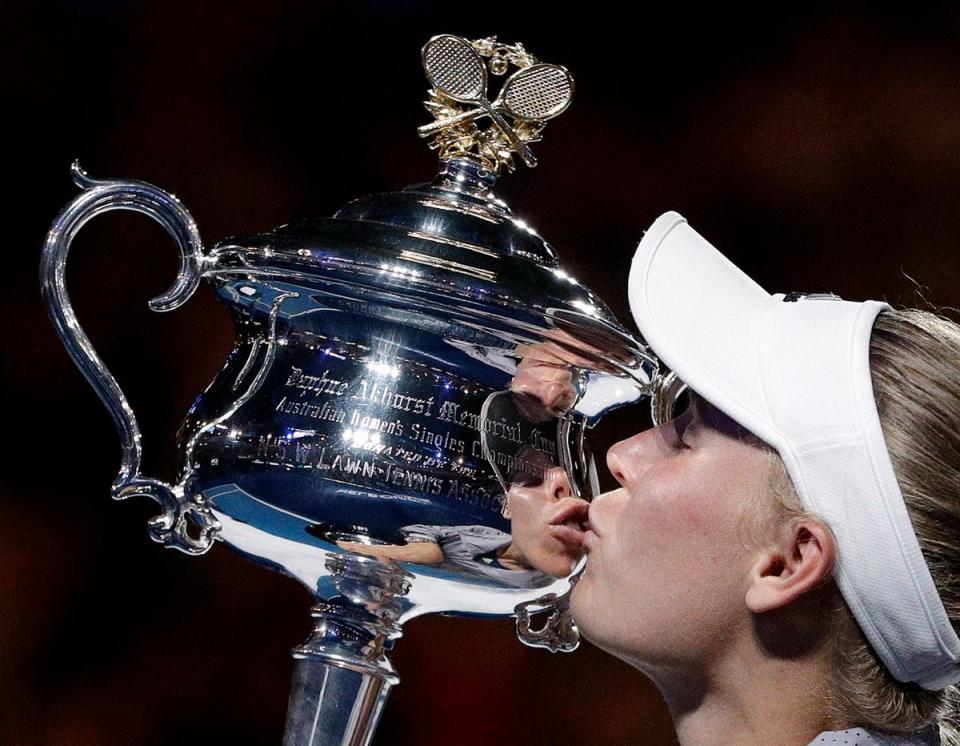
x: 401, y: 423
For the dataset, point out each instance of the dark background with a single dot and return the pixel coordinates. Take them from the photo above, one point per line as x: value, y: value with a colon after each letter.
x: 818, y: 148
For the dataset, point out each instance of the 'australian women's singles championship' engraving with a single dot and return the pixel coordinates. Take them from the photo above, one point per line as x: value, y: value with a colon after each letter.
x: 376, y: 392
x: 383, y: 435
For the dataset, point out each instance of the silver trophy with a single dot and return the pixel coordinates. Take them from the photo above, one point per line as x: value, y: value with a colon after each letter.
x: 401, y: 423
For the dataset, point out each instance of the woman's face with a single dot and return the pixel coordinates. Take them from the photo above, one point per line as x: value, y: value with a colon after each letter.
x: 669, y: 551
x: 546, y: 522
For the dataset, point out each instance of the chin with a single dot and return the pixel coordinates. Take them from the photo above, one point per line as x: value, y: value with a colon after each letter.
x: 559, y: 565
x: 601, y: 633
x: 588, y: 613
x: 580, y: 606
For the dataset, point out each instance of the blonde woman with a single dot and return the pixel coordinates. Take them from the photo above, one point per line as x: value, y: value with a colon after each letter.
x: 783, y: 558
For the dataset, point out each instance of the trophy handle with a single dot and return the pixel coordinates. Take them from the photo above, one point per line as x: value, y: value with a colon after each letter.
x: 559, y: 632
x: 170, y: 527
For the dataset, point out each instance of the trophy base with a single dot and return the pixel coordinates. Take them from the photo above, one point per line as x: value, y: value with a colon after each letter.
x: 342, y: 677
x: 333, y: 705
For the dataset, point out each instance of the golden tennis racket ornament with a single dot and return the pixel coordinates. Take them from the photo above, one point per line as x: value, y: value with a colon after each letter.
x: 457, y: 70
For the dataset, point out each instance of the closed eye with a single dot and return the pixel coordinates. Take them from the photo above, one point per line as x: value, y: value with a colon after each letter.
x: 690, y: 417
x: 680, y: 425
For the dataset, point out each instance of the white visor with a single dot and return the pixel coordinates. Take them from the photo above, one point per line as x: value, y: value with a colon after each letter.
x: 795, y: 372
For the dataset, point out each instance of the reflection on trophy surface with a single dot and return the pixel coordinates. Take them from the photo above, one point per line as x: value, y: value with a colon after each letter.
x: 401, y: 423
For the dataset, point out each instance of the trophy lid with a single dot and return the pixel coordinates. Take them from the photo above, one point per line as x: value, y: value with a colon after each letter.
x: 453, y: 243
x: 459, y: 207
x: 454, y: 231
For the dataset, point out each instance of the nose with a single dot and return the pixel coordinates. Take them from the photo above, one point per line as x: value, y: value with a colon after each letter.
x: 626, y: 458
x: 557, y: 484
x: 616, y: 460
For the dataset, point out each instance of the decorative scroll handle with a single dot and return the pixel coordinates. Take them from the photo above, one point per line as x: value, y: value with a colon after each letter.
x: 559, y: 632
x: 98, y: 196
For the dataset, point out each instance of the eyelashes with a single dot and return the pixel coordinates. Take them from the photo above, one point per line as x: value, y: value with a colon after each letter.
x: 679, y: 444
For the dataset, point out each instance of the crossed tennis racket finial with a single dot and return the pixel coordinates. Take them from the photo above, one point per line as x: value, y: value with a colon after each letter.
x: 533, y: 93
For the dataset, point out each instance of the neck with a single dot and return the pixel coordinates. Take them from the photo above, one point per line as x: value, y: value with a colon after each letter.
x: 749, y: 696
x: 511, y: 557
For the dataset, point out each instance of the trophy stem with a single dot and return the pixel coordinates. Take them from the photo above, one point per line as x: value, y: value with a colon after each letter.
x: 342, y: 677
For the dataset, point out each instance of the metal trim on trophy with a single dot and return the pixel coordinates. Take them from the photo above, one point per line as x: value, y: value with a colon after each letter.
x: 401, y: 423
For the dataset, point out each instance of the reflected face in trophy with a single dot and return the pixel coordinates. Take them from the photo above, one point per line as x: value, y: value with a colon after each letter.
x: 545, y: 373
x: 546, y: 518
x: 669, y: 550
x: 548, y: 384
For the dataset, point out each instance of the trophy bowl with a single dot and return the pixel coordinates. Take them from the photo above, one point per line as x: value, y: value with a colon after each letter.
x: 401, y: 422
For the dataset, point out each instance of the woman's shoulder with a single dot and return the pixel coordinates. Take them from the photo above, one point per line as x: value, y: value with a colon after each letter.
x: 862, y: 737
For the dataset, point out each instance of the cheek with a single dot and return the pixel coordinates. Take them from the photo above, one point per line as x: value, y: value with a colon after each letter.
x: 685, y: 513
x: 691, y: 512
x: 523, y: 505
x: 526, y: 511
x: 670, y: 500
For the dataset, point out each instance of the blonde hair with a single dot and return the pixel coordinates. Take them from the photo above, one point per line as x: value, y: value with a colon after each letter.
x: 915, y: 367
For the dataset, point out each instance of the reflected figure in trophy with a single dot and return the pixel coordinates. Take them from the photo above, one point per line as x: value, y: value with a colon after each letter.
x: 544, y: 378
x: 546, y: 516
x: 546, y: 532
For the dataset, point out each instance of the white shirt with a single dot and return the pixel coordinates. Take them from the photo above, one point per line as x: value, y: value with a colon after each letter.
x: 862, y: 737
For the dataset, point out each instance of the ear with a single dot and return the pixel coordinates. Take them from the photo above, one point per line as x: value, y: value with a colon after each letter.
x: 800, y: 560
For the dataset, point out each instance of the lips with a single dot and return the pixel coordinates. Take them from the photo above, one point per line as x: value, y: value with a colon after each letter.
x: 567, y: 526
x: 590, y: 534
x: 589, y: 540
x: 591, y: 522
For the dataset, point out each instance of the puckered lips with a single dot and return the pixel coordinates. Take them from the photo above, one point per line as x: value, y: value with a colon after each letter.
x: 590, y: 534
x: 567, y: 526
